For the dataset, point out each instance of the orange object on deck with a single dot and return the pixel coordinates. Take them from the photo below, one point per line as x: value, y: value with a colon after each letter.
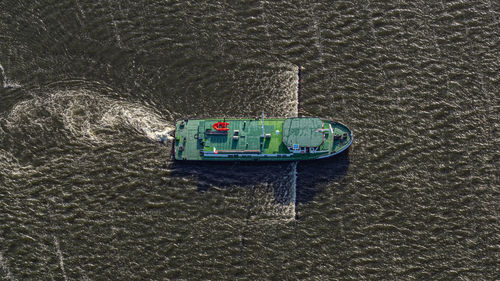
x: 221, y: 126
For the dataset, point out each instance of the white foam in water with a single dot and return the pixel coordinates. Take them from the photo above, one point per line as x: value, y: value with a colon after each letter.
x: 84, y: 113
x: 2, y: 73
x: 3, y: 265
x: 61, y: 260
x: 293, y: 185
x: 10, y: 166
x: 6, y: 83
x: 288, y: 80
x: 140, y: 118
x: 293, y: 88
x: 317, y: 31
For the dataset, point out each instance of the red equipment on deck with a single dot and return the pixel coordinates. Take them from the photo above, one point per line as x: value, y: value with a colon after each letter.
x: 221, y: 126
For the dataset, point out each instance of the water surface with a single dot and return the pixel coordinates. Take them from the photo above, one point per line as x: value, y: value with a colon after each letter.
x: 87, y: 192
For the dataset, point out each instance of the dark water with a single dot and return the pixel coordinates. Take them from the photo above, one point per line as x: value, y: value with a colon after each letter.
x: 87, y: 193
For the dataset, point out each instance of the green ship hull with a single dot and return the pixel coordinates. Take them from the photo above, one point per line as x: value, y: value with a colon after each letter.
x: 270, y: 139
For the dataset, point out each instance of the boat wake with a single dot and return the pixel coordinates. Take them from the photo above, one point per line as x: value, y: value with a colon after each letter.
x: 5, y: 82
x: 281, y: 206
x: 5, y: 268
x: 285, y: 195
x: 72, y: 128
x: 87, y: 116
x: 274, y: 200
x: 140, y: 118
x: 285, y: 191
x: 289, y: 81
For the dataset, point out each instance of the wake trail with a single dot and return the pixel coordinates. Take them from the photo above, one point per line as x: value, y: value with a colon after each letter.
x: 60, y: 256
x: 293, y: 187
x: 317, y: 32
x: 293, y: 165
x: 6, y: 83
x: 286, y: 189
x: 292, y: 107
x: 5, y: 268
x: 88, y: 116
x: 3, y: 78
x: 140, y: 118
x: 288, y: 81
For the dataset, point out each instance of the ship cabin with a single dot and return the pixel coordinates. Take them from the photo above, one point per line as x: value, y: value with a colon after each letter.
x: 304, y: 135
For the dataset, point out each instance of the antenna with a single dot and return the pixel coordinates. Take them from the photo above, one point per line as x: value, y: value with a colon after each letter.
x: 299, y: 92
x: 263, y: 132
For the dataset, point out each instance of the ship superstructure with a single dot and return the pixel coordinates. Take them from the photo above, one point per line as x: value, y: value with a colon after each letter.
x: 259, y: 139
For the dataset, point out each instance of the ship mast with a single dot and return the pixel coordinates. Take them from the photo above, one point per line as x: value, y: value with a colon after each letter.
x: 263, y: 132
x: 299, y: 91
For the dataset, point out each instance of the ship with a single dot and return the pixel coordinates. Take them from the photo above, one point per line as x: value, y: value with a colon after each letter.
x: 259, y: 139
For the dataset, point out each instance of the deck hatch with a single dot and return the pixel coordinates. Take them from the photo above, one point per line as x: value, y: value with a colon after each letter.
x: 302, y: 131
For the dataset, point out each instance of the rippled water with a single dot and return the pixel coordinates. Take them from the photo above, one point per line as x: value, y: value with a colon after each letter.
x: 88, y: 193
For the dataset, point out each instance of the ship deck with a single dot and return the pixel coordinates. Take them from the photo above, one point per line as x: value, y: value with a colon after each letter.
x: 197, y: 140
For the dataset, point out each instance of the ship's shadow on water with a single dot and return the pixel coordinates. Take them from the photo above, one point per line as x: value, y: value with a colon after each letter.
x: 288, y: 182
x: 313, y: 174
